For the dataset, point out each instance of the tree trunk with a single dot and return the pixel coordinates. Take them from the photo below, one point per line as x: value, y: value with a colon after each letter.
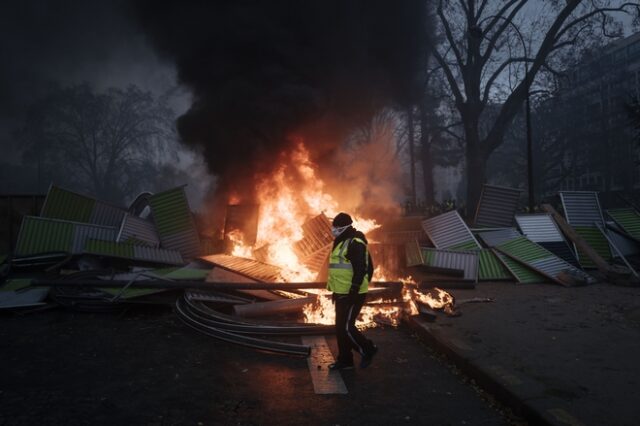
x: 476, y: 166
x: 426, y: 159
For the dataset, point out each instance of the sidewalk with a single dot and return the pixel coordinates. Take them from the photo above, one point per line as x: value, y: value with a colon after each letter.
x: 561, y: 356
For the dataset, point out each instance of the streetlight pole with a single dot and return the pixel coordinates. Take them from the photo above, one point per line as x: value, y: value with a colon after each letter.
x: 529, y: 137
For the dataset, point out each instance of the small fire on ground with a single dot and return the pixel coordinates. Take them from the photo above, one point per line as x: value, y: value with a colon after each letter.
x: 287, y: 198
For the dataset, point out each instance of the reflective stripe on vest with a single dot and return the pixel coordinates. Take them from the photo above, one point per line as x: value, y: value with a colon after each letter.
x: 341, y: 270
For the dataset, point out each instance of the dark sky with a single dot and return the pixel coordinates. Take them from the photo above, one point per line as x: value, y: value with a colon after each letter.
x: 65, y: 42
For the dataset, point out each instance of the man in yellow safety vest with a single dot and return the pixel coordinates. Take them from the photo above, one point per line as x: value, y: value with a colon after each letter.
x: 350, y: 270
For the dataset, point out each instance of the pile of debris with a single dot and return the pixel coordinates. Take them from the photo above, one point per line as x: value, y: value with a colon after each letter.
x: 88, y: 255
x: 577, y: 249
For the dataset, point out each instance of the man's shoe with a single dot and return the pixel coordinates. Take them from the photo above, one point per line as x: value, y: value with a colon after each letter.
x: 367, y: 358
x: 339, y: 365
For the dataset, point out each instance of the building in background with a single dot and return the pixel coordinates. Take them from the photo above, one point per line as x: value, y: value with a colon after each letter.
x: 591, y: 125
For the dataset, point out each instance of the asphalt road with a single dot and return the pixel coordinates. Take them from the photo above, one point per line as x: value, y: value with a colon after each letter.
x: 145, y: 367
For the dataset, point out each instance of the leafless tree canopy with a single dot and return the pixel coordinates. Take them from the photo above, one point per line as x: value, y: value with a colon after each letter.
x: 494, y: 52
x: 109, y: 141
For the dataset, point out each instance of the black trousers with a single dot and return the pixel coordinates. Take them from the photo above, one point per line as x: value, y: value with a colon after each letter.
x: 348, y: 336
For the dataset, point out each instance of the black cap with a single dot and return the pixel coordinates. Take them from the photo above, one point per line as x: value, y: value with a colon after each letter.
x: 342, y: 219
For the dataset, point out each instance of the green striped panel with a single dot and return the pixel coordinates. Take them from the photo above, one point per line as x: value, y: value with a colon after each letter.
x: 523, y: 274
x: 467, y: 245
x: 171, y: 212
x: 628, y: 220
x: 428, y: 256
x: 524, y: 249
x: 42, y: 236
x: 490, y: 267
x: 61, y: 204
x: 412, y: 253
x: 109, y: 248
x: 597, y: 241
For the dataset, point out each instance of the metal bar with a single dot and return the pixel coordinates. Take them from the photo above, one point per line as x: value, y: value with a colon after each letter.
x: 273, y: 307
x: 262, y: 344
x: 292, y: 329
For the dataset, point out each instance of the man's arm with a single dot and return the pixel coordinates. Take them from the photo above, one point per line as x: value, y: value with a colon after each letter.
x: 356, y: 253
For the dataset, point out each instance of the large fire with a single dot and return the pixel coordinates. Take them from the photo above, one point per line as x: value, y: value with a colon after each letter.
x: 287, y: 198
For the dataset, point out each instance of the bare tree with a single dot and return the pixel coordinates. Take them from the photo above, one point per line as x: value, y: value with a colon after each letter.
x: 491, y: 53
x: 106, y: 144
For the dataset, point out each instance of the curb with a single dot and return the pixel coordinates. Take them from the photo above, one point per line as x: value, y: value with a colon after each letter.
x: 524, y: 396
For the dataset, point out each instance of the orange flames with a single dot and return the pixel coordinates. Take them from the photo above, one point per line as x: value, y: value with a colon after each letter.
x: 287, y: 198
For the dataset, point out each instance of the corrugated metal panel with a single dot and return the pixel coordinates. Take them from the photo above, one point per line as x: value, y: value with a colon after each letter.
x: 626, y: 245
x: 41, y: 235
x: 158, y: 255
x: 490, y: 267
x: 562, y: 250
x: 522, y: 274
x: 187, y: 243
x: 582, y: 208
x: 536, y: 256
x: 596, y: 240
x: 497, y: 206
x: 107, y: 215
x: 174, y: 222
x: 553, y: 266
x: 524, y: 250
x: 83, y: 232
x: 628, y: 220
x: 413, y: 253
x: 128, y: 251
x: 109, y: 248
x: 448, y: 230
x: 495, y: 238
x: 318, y: 260
x: 139, y: 229
x: 67, y: 205
x: 317, y: 235
x: 539, y: 227
x: 449, y: 259
x: 248, y: 267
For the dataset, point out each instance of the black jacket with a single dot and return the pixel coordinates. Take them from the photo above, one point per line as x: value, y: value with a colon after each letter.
x: 355, y: 255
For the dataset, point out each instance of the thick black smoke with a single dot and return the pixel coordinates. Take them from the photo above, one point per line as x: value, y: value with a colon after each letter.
x: 262, y: 71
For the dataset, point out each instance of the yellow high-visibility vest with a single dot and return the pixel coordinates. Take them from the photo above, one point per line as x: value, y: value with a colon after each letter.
x: 341, y: 270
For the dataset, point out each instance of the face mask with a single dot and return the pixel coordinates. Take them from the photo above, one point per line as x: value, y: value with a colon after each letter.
x: 337, y: 231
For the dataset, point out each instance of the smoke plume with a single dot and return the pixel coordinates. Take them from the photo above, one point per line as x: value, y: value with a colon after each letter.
x: 262, y: 71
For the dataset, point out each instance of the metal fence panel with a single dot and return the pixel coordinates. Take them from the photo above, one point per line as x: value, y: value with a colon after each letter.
x: 539, y: 227
x: 448, y: 230
x: 497, y: 237
x: 248, y: 267
x: 449, y: 259
x: 582, y: 208
x: 497, y: 206
x: 133, y: 227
